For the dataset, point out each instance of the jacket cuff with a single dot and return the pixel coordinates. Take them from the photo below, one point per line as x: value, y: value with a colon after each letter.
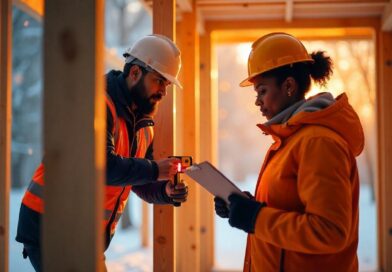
x: 155, y: 170
x: 166, y: 198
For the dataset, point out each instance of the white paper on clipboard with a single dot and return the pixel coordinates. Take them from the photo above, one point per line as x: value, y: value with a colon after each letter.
x: 213, y: 180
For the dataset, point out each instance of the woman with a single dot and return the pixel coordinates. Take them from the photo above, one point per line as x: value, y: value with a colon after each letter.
x: 304, y: 216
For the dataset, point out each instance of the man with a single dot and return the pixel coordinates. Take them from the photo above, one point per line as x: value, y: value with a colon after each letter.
x: 133, y: 95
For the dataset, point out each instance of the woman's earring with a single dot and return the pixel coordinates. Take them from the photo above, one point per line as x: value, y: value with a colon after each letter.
x: 289, y: 94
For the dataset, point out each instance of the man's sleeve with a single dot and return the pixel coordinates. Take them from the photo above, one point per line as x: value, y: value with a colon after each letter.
x: 153, y: 193
x: 122, y: 171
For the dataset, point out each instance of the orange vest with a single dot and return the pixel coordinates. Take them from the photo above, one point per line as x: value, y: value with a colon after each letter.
x: 115, y: 196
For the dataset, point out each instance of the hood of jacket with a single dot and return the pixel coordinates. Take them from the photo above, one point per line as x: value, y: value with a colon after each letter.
x: 320, y: 110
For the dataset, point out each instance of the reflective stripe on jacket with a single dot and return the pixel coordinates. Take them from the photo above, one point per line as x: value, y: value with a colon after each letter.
x: 115, y: 196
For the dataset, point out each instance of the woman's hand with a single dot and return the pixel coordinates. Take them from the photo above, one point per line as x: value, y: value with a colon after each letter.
x: 221, y: 207
x: 243, y: 212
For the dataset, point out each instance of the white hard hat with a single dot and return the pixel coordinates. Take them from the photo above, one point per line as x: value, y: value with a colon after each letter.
x: 159, y: 53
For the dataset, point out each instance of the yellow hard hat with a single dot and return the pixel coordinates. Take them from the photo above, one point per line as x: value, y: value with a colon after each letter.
x: 272, y: 51
x: 159, y: 53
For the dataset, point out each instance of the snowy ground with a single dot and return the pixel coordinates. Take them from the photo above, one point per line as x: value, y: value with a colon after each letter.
x: 126, y: 255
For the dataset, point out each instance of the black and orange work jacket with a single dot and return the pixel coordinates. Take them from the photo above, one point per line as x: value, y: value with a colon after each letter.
x: 129, y: 164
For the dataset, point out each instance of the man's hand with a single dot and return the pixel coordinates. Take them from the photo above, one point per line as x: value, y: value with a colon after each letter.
x: 167, y: 168
x: 221, y: 207
x: 243, y: 212
x: 178, y: 193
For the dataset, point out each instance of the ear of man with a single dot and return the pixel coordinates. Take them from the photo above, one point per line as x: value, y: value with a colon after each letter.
x: 135, y: 74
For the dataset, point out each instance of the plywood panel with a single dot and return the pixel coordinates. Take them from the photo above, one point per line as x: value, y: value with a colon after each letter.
x: 74, y: 135
x: 164, y: 146
x: 5, y: 128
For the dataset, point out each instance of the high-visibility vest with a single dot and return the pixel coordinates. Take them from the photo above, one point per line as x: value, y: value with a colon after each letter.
x: 115, y: 196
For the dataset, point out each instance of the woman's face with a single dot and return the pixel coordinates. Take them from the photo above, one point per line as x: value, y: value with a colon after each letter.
x: 271, y: 98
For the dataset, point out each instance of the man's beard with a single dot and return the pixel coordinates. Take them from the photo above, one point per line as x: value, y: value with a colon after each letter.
x: 144, y: 104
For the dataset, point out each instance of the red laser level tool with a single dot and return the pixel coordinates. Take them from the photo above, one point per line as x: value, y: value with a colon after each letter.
x: 186, y: 161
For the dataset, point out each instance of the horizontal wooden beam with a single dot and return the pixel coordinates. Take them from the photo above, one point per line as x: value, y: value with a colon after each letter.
x: 231, y: 36
x: 387, y: 18
x: 213, y: 25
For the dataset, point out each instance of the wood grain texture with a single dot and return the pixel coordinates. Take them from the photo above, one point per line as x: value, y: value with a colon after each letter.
x: 74, y: 135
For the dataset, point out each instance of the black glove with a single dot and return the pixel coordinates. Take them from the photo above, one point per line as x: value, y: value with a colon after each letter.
x: 243, y: 212
x: 221, y: 207
x: 249, y: 195
x: 177, y: 193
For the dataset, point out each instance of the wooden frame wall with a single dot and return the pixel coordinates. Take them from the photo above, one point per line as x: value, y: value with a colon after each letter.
x: 5, y: 128
x: 164, y: 145
x: 188, y: 215
x: 74, y: 135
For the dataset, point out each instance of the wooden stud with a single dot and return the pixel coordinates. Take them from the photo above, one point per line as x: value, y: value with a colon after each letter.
x: 145, y: 227
x: 385, y: 148
x: 5, y: 128
x: 164, y: 237
x: 188, y: 215
x: 208, y: 151
x: 74, y: 135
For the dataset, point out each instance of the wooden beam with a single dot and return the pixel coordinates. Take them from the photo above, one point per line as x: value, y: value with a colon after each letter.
x: 188, y: 215
x: 74, y: 135
x: 145, y: 226
x: 5, y: 129
x: 387, y: 18
x: 208, y: 151
x: 250, y: 35
x: 297, y: 23
x: 184, y: 5
x: 384, y: 118
x: 164, y: 237
x: 289, y: 10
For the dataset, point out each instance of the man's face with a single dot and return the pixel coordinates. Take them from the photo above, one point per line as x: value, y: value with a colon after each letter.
x: 270, y: 98
x: 149, y: 91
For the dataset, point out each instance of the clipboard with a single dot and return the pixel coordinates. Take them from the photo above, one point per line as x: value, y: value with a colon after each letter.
x: 213, y: 180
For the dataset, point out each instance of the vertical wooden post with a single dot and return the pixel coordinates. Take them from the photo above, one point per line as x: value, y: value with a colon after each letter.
x: 208, y: 151
x: 164, y: 236
x: 74, y: 135
x: 5, y: 128
x: 145, y: 225
x: 385, y: 147
x: 188, y: 215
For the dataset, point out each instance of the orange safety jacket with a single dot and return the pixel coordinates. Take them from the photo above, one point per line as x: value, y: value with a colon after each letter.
x: 115, y: 196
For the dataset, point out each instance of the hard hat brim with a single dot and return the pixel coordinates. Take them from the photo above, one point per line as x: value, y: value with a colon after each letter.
x: 247, y: 81
x: 172, y: 79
